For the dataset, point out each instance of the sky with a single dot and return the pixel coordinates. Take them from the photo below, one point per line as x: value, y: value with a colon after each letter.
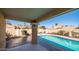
x: 14, y: 22
x: 71, y: 18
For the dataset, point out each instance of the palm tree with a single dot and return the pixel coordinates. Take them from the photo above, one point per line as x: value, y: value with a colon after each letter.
x: 66, y: 25
x: 56, y: 24
x: 43, y: 27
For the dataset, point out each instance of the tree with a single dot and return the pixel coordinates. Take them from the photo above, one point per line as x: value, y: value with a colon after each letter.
x: 56, y: 24
x: 42, y: 27
x: 66, y: 25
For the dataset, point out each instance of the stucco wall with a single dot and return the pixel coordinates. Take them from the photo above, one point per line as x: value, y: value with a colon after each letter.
x: 2, y: 32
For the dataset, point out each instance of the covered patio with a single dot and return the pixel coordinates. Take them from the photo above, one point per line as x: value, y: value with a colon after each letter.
x: 31, y: 15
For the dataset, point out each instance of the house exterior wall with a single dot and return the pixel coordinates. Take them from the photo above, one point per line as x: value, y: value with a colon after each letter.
x: 2, y: 32
x: 16, y: 32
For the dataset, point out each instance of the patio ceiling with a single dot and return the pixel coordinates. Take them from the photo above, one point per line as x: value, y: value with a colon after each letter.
x: 33, y: 14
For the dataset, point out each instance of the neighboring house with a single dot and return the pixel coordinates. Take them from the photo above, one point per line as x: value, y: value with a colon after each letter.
x: 16, y: 30
x: 59, y: 29
x: 10, y: 29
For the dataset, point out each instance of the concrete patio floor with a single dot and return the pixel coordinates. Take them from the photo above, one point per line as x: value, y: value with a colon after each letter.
x: 28, y: 47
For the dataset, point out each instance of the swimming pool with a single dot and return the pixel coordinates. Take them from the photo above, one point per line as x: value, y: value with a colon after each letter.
x: 64, y: 43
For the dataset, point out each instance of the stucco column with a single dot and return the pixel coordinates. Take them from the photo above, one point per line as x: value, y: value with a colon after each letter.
x: 34, y: 33
x: 2, y: 32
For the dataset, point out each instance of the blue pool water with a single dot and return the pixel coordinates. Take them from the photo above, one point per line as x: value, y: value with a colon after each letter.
x: 65, y: 43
